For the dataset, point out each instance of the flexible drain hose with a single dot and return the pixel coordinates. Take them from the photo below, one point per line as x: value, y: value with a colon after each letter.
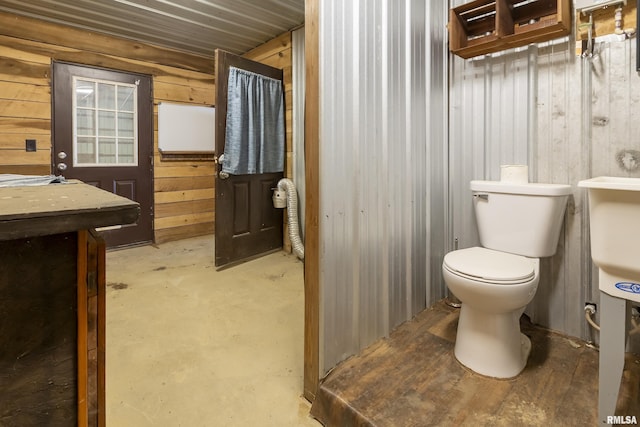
x: 590, y: 310
x: 287, y: 186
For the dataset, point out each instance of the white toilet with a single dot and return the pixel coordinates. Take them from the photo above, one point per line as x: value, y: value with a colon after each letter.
x: 518, y: 223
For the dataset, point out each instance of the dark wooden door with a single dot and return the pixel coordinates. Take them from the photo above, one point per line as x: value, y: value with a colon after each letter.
x: 103, y: 136
x: 247, y: 224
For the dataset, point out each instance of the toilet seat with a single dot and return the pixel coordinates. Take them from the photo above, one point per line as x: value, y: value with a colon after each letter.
x: 489, y: 266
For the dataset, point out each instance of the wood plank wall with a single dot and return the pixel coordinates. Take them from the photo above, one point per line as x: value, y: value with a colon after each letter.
x: 184, y: 190
x: 25, y: 106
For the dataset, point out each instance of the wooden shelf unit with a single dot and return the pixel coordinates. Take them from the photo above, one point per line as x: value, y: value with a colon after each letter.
x: 484, y: 26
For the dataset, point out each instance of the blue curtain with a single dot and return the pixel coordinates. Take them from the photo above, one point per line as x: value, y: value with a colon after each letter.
x: 255, y: 134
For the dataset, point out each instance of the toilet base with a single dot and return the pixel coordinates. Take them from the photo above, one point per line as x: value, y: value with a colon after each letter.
x: 491, y: 344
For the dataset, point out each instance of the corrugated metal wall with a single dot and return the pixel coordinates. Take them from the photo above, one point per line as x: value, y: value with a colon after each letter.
x: 383, y: 167
x: 386, y: 159
x: 569, y: 119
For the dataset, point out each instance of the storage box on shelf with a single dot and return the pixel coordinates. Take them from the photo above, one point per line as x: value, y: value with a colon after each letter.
x: 484, y: 26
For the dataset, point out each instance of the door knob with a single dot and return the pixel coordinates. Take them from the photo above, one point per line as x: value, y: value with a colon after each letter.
x: 62, y: 166
x: 218, y: 161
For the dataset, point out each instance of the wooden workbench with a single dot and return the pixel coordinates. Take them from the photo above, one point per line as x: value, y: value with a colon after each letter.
x: 52, y: 302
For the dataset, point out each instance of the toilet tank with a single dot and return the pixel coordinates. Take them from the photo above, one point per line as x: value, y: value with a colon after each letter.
x: 523, y: 219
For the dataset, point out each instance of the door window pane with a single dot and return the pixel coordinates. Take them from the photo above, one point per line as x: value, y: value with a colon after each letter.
x: 105, y: 117
x: 125, y: 151
x: 85, y: 123
x: 86, y: 150
x: 106, y: 96
x: 85, y: 93
x: 106, y: 123
x: 126, y: 97
x: 106, y: 150
x: 125, y: 125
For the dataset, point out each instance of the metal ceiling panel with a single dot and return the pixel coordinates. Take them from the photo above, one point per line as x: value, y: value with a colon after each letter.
x: 195, y: 26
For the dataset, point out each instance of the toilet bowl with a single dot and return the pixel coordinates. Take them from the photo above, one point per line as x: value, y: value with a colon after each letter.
x: 517, y: 224
x: 494, y: 288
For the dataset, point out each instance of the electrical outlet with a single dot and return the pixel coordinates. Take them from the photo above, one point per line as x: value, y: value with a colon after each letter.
x: 30, y: 144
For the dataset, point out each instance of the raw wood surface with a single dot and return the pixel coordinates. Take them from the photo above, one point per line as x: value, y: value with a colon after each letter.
x: 83, y: 339
x: 484, y: 26
x: 312, y: 210
x: 413, y: 379
x: 38, y: 358
x: 59, y: 208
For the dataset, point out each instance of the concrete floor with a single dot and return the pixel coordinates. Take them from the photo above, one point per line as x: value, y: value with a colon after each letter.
x: 190, y: 346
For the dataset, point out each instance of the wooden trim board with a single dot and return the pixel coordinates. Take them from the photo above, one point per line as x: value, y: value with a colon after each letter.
x: 312, y: 209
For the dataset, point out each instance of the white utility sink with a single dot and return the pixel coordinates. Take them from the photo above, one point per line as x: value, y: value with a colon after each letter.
x: 614, y: 208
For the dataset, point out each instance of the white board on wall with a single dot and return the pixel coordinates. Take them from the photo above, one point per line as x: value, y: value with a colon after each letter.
x: 186, y: 128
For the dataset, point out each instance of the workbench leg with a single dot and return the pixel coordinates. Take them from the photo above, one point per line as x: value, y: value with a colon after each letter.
x: 613, y: 338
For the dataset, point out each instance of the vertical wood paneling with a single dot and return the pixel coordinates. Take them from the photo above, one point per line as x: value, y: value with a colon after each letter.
x: 313, y: 304
x: 382, y: 178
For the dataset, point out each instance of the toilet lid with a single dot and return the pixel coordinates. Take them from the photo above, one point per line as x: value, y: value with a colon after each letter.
x: 490, y: 265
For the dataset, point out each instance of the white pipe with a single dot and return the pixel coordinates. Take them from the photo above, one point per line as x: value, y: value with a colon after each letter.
x: 287, y: 185
x: 588, y: 311
x: 634, y: 322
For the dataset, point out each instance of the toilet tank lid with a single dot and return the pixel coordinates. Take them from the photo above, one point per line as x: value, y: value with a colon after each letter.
x: 490, y: 265
x: 530, y: 188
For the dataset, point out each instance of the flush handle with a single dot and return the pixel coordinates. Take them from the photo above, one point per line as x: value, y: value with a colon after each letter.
x: 483, y: 196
